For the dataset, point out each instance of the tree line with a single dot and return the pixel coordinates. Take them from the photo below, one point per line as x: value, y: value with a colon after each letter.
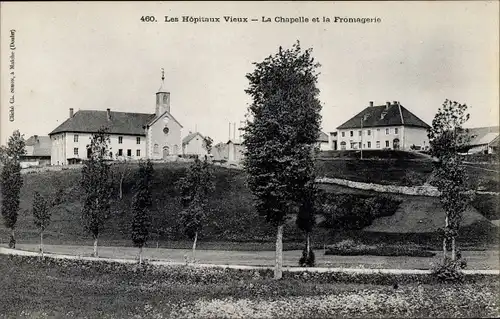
x: 280, y: 135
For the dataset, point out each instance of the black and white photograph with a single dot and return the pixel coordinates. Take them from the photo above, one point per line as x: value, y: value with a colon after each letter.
x: 274, y: 159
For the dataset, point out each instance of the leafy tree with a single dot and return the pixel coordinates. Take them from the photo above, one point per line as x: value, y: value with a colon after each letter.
x: 281, y: 131
x: 446, y: 137
x: 141, y: 204
x: 208, y: 144
x: 123, y: 169
x: 195, y: 189
x: 41, y: 215
x: 11, y: 182
x: 97, y: 186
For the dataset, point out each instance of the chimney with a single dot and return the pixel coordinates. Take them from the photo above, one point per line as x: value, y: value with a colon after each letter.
x: 108, y: 112
x: 70, y: 112
x: 395, y: 102
x: 371, y: 103
x: 387, y: 104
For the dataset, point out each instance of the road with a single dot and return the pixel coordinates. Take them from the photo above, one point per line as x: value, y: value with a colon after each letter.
x: 476, y: 259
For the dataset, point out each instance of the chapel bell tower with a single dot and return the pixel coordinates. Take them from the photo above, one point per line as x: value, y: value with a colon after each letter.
x: 162, y: 97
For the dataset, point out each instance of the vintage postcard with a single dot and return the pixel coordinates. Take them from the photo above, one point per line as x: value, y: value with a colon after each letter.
x: 281, y: 159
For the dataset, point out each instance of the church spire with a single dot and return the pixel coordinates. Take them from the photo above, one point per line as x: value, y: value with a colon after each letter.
x: 162, y: 86
x: 162, y: 97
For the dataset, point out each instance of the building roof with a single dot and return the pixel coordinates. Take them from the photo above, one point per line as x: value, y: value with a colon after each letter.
x: 381, y: 115
x: 90, y: 121
x: 483, y: 135
x: 156, y: 118
x: 41, y: 145
x: 190, y: 136
x: 235, y: 142
x: 323, y: 137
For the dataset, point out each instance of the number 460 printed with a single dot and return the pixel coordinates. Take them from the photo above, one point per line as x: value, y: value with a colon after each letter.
x: 148, y: 19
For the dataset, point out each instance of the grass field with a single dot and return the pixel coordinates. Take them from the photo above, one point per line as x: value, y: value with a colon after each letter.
x: 32, y: 289
x: 233, y: 218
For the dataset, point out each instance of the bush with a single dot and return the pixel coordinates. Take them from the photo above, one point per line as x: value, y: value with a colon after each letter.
x: 305, y: 261
x: 351, y: 248
x: 350, y: 211
x: 450, y: 271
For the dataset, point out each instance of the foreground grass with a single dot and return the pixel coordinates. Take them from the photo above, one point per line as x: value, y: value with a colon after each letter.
x: 35, y: 289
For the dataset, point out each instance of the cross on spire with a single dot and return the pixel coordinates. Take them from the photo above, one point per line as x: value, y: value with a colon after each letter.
x: 162, y: 75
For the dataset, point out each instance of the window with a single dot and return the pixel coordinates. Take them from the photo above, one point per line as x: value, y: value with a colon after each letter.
x: 343, y: 134
x: 353, y: 145
x: 359, y: 144
x: 378, y: 144
x: 75, y: 138
x: 138, y: 153
x: 369, y: 144
x: 387, y: 130
x: 75, y: 151
x: 120, y: 139
x: 352, y: 133
x: 369, y: 132
x: 110, y: 154
x: 156, y: 149
x: 342, y: 145
x: 386, y: 143
x: 395, y: 130
x: 120, y: 152
x: 360, y: 132
x: 129, y: 153
x: 378, y: 130
x: 138, y: 139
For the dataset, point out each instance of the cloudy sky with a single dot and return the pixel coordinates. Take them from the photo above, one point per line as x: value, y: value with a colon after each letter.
x: 100, y: 55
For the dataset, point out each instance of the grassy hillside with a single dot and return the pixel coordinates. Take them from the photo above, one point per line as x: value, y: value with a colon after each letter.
x: 232, y: 217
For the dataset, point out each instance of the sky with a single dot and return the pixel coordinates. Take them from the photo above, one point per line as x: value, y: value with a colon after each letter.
x: 98, y: 55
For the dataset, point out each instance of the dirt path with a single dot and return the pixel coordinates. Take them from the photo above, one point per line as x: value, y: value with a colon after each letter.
x: 475, y: 259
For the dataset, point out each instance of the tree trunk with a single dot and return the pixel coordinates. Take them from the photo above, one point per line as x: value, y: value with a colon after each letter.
x: 41, y: 243
x: 308, y: 246
x: 12, y: 241
x: 194, y: 245
x: 121, y: 186
x: 140, y: 255
x: 444, y: 239
x: 278, y: 269
x: 453, y: 249
x: 95, y: 247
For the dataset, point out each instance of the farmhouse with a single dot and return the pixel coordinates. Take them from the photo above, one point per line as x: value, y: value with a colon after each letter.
x: 483, y: 140
x: 194, y: 144
x: 389, y: 126
x: 132, y: 135
x: 37, y: 151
